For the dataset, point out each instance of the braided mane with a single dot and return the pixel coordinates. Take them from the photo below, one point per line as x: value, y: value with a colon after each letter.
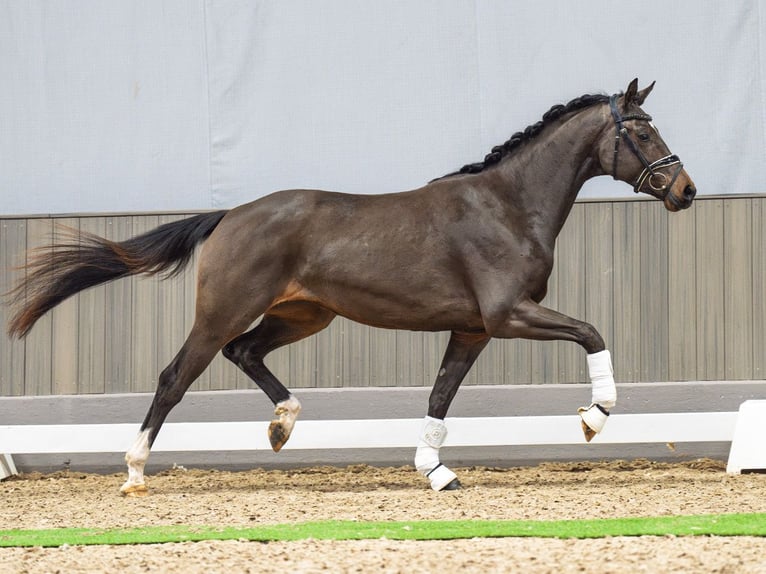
x: 500, y: 151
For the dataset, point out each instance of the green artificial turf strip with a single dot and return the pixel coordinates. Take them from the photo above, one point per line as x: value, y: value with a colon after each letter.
x: 709, y: 525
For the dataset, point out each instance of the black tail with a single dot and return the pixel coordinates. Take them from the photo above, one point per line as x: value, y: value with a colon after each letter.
x: 57, y: 272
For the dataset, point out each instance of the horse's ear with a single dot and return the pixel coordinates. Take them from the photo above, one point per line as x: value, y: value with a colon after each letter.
x: 641, y: 96
x: 630, y: 93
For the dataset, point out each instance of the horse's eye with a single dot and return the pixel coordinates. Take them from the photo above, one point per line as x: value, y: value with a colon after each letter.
x: 644, y: 137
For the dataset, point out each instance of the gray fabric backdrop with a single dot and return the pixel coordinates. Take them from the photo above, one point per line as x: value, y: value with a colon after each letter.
x: 133, y: 105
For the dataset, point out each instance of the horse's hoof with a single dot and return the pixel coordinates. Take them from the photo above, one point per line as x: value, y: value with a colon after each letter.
x: 587, y: 431
x: 281, y: 427
x: 134, y: 490
x: 592, y: 420
x: 454, y: 484
x: 278, y: 435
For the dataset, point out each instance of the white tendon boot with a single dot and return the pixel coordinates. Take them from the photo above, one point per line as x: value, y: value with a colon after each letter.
x: 604, y: 394
x: 427, y: 456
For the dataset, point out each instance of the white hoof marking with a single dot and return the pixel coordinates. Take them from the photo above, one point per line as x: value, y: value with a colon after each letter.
x: 136, y: 458
x: 287, y: 411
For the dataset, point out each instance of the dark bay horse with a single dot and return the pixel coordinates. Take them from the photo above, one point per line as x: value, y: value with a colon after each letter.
x: 469, y: 253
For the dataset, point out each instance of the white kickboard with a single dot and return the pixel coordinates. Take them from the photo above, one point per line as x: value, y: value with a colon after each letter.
x: 372, y: 433
x: 7, y: 468
x: 748, y: 446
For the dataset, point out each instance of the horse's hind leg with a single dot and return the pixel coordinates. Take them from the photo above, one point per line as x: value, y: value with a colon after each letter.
x: 282, y: 325
x: 462, y: 351
x: 195, y: 355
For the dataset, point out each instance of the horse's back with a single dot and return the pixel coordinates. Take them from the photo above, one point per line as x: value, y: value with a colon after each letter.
x: 382, y: 259
x: 309, y: 216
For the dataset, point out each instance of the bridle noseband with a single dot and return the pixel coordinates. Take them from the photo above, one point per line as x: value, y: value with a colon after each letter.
x: 658, y: 181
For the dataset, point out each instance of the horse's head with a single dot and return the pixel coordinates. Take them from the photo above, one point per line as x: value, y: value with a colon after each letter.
x: 635, y: 153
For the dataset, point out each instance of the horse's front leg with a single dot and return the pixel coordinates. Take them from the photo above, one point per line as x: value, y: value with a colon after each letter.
x: 529, y: 320
x: 462, y: 350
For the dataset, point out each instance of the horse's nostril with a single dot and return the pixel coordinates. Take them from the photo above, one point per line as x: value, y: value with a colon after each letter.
x: 689, y: 192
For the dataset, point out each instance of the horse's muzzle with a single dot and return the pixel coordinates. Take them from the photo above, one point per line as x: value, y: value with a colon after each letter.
x: 688, y: 196
x: 686, y: 199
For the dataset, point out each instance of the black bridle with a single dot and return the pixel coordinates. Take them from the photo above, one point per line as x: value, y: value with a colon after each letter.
x: 658, y: 181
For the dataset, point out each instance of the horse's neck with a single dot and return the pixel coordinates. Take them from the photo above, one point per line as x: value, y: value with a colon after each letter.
x: 544, y: 177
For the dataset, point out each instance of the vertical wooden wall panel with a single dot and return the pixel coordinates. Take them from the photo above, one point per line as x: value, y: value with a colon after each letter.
x: 91, y: 331
x: 682, y: 297
x: 13, y: 245
x: 65, y: 329
x: 489, y: 369
x: 382, y: 358
x: 709, y: 270
x: 356, y: 349
x: 517, y: 358
x: 303, y: 364
x: 410, y: 368
x: 759, y: 288
x: 220, y: 374
x: 738, y: 289
x: 330, y: 347
x: 676, y: 297
x: 626, y: 253
x: 118, y: 324
x: 654, y: 292
x: 39, y: 355
x: 145, y: 366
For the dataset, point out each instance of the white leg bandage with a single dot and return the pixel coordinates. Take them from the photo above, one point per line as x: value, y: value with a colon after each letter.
x: 604, y: 392
x: 427, y: 455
